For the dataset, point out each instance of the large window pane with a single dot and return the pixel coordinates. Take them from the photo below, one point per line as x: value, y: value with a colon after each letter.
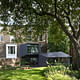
x: 32, y: 49
x: 11, y: 49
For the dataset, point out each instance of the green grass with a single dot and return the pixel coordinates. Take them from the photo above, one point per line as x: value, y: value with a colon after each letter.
x: 31, y: 74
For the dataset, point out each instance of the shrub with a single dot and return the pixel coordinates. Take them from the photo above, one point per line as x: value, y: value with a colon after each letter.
x: 8, y: 67
x: 59, y: 72
x: 77, y: 74
x: 59, y: 76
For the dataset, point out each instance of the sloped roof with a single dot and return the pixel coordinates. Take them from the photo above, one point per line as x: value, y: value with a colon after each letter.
x: 55, y: 54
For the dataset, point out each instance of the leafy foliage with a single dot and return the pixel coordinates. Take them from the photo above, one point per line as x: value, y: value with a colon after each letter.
x: 58, y: 41
x: 59, y: 72
x: 40, y: 14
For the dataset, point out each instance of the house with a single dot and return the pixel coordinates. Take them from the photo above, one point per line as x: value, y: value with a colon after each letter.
x: 11, y: 52
x: 33, y: 56
x: 26, y: 53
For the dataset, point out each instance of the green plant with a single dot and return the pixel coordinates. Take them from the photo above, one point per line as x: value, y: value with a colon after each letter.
x: 8, y: 67
x: 77, y: 74
x: 59, y: 72
x: 59, y: 76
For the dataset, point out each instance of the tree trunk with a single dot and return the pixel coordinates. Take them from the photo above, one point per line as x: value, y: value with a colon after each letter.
x: 77, y: 55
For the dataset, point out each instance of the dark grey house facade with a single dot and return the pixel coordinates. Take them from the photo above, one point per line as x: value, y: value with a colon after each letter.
x: 30, y: 54
x: 29, y: 49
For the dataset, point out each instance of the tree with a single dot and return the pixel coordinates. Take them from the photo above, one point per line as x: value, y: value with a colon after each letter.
x: 57, y: 39
x: 41, y: 13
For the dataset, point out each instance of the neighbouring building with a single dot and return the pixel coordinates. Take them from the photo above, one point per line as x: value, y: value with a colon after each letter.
x: 10, y: 50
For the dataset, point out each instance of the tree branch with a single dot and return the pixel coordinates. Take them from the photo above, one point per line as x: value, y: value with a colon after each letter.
x: 72, y: 28
x: 72, y: 38
x: 39, y: 5
x: 69, y: 21
x: 59, y: 21
x: 55, y: 3
x: 65, y: 30
x: 78, y: 33
x: 41, y: 13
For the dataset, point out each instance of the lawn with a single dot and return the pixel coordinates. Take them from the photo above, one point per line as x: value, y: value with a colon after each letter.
x: 31, y: 74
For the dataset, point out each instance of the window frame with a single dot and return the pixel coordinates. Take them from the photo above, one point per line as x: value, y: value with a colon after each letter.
x: 8, y: 55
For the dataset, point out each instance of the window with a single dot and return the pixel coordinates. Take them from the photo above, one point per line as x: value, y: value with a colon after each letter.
x: 12, y: 38
x: 40, y: 38
x: 11, y: 51
x: 1, y: 38
x: 32, y: 49
x: 34, y: 61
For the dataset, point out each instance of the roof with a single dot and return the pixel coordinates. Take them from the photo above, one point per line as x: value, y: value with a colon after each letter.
x: 31, y: 42
x: 55, y: 54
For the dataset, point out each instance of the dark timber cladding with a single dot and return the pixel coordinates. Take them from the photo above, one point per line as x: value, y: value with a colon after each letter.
x: 52, y: 55
x: 26, y: 49
x: 29, y: 53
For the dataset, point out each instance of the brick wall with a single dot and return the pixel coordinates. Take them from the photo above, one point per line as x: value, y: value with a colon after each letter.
x: 11, y: 62
x: 2, y: 50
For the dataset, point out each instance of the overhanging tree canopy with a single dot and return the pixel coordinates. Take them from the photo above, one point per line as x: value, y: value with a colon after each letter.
x: 41, y: 13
